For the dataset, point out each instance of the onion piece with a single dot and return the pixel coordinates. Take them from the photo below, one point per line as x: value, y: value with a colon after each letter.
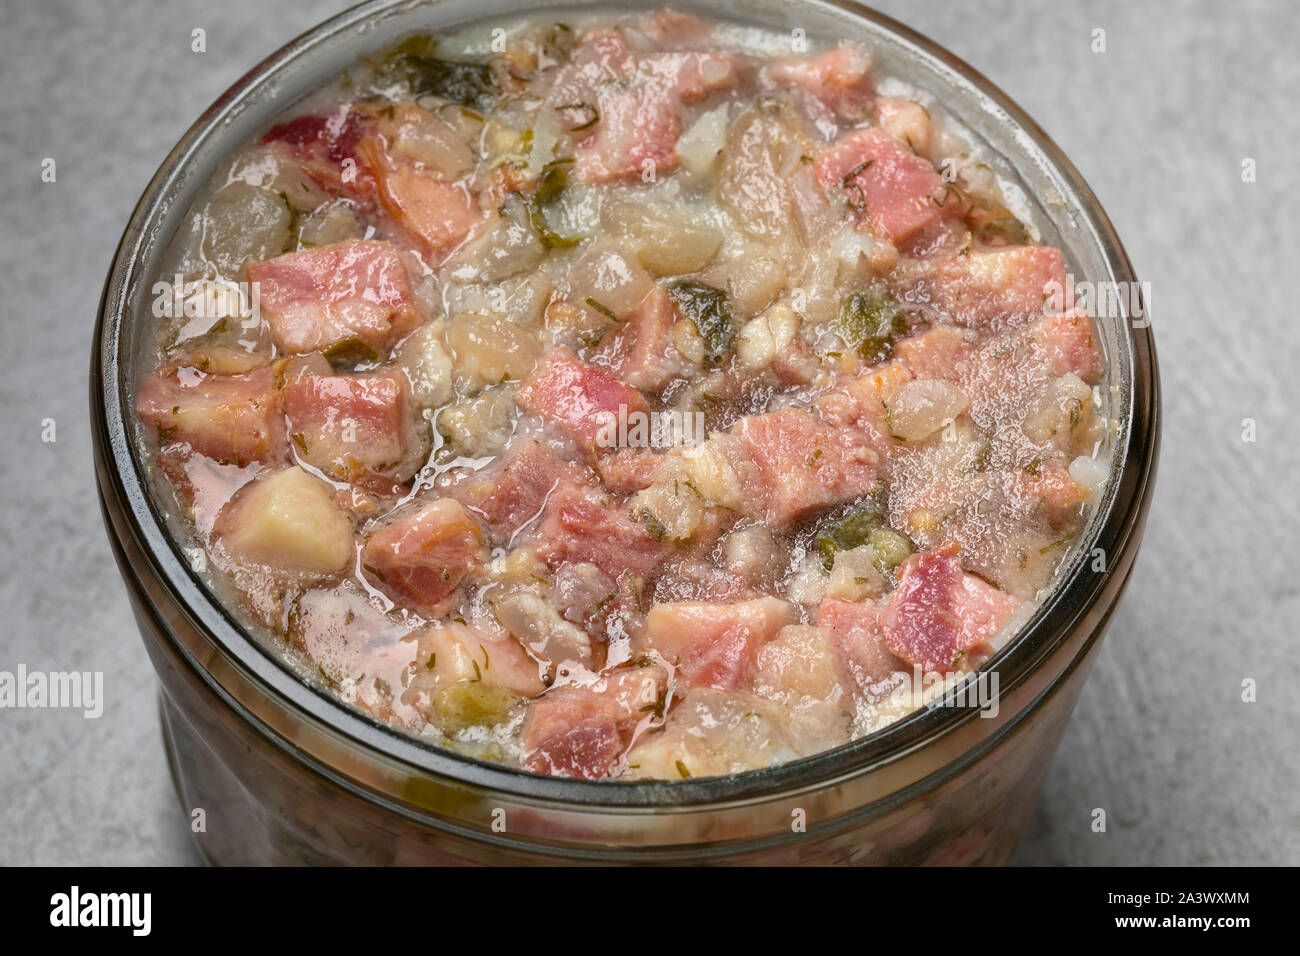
x: 922, y: 407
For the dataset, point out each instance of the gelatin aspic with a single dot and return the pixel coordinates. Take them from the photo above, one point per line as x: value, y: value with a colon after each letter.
x: 416, y: 342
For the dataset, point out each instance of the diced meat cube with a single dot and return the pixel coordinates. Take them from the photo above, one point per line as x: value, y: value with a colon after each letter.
x: 839, y: 79
x: 713, y: 645
x: 858, y: 636
x: 789, y: 463
x: 592, y: 599
x: 439, y: 213
x: 512, y: 491
x: 586, y: 399
x: 581, y: 731
x: 449, y: 652
x: 715, y: 733
x: 1052, y: 485
x: 675, y: 28
x: 287, y: 520
x: 422, y: 557
x: 637, y: 133
x: 996, y: 288
x: 642, y: 352
x: 935, y: 353
x: 351, y: 291
x: 637, y: 98
x: 892, y: 190
x: 580, y: 525
x: 797, y: 668
x: 348, y: 426
x: 629, y: 470
x: 1070, y: 343
x: 860, y: 404
x: 572, y: 737
x: 938, y: 611
x: 232, y: 418
x: 326, y: 147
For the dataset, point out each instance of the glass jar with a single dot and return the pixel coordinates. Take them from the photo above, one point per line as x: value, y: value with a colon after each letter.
x: 286, y: 773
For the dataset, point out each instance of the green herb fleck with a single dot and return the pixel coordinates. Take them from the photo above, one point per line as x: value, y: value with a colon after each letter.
x: 652, y: 524
x: 554, y: 179
x: 856, y: 171
x: 708, y: 308
x: 602, y: 309
x: 871, y: 321
x: 846, y: 533
x: 414, y: 62
x: 349, y: 352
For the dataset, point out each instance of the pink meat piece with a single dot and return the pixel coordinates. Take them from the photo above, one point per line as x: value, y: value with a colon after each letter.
x: 582, y: 525
x: 581, y: 731
x: 996, y: 288
x: 938, y: 611
x: 638, y: 98
x: 858, y: 637
x: 1070, y: 344
x: 938, y: 352
x: 231, y: 418
x: 582, y: 398
x: 641, y: 352
x: 325, y: 145
x: 421, y: 558
x: 713, y: 644
x: 348, y: 425
x: 839, y: 79
x: 512, y: 491
x: 351, y: 290
x: 629, y: 470
x: 572, y: 736
x: 892, y: 191
x: 437, y: 213
x: 790, y: 463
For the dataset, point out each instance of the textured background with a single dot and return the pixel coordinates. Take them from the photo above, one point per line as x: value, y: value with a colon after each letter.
x: 1159, y: 125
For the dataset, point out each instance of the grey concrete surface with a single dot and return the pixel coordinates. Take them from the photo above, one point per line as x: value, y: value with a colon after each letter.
x: 1159, y: 124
